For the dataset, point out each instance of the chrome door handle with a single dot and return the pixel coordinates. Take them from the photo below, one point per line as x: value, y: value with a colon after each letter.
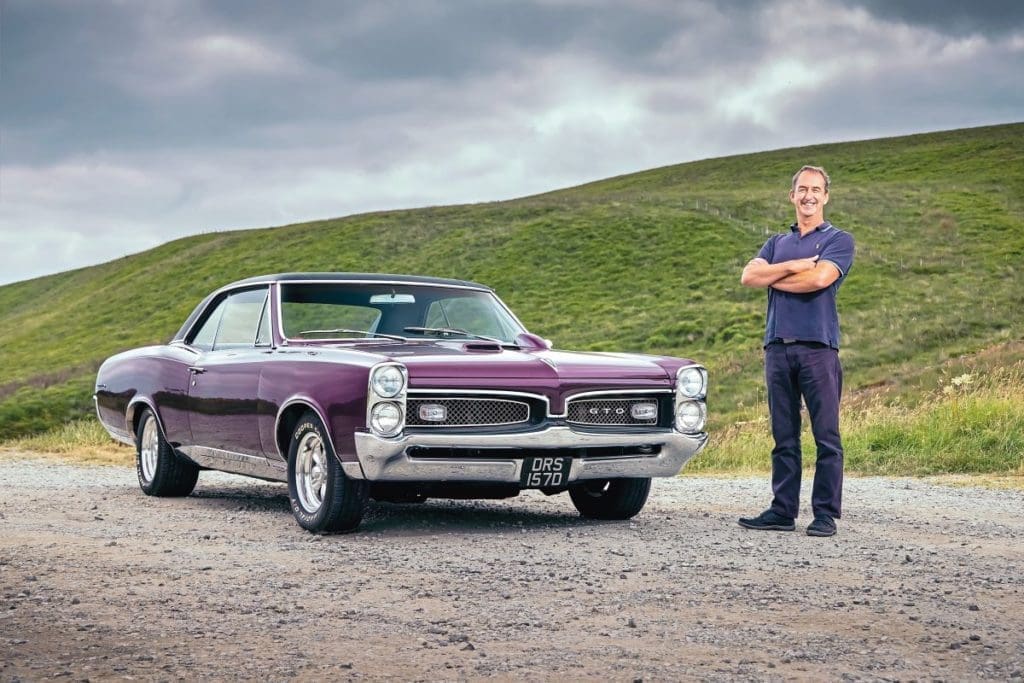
x: 196, y: 370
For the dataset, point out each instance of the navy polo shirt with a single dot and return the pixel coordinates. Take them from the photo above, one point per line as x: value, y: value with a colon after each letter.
x: 812, y: 316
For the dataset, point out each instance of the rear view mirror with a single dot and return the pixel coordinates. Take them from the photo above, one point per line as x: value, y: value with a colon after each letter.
x: 392, y: 299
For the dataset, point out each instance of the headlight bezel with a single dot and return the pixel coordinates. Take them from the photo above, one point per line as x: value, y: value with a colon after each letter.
x: 690, y: 371
x: 376, y: 417
x: 691, y: 395
x: 388, y: 374
x: 700, y: 417
x: 379, y: 393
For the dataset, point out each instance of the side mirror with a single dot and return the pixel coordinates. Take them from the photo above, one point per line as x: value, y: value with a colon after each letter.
x: 532, y: 342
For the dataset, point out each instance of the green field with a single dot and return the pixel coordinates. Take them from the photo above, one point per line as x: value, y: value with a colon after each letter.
x: 647, y: 262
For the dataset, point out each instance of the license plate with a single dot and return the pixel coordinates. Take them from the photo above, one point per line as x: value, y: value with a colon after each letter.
x: 541, y: 473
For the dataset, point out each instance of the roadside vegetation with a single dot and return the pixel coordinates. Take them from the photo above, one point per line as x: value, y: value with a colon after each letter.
x: 970, y: 422
x: 647, y: 262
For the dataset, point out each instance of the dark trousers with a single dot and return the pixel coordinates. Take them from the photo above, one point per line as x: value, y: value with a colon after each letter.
x: 812, y: 371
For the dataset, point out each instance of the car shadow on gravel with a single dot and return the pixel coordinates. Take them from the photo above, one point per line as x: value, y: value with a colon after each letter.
x: 261, y: 497
x: 414, y: 519
x: 468, y: 517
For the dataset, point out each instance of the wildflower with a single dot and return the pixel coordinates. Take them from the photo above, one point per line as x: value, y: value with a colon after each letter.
x: 962, y: 380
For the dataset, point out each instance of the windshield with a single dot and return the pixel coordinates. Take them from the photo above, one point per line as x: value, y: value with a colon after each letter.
x: 359, y: 310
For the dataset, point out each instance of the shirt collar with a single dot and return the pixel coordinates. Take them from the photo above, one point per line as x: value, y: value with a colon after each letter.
x: 821, y: 228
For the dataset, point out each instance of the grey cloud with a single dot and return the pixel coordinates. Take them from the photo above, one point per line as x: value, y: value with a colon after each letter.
x: 953, y: 17
x: 159, y: 119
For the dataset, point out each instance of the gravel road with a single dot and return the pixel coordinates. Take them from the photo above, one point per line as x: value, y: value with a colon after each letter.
x: 97, y: 581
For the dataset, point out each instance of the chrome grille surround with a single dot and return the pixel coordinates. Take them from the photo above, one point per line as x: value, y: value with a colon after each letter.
x: 470, y: 412
x: 610, y: 411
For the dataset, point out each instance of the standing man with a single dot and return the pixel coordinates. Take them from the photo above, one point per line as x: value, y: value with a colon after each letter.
x: 802, y: 270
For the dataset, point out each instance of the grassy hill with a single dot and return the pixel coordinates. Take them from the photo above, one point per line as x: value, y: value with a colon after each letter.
x: 647, y: 262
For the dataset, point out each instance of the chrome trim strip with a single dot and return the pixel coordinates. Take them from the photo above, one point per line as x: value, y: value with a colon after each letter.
x: 474, y: 400
x: 308, y: 402
x: 626, y: 393
x: 237, y: 463
x: 129, y: 415
x: 476, y: 392
x: 380, y: 282
x: 387, y: 460
x: 213, y: 297
x: 180, y: 343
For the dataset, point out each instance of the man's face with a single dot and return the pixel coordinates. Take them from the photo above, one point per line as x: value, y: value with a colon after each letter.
x: 809, y: 197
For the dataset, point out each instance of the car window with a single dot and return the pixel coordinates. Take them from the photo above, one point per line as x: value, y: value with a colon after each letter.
x: 332, y: 310
x: 203, y: 339
x: 241, y: 319
x: 467, y: 313
x: 263, y: 337
x: 318, y: 320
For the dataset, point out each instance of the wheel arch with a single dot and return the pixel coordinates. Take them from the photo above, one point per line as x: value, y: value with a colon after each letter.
x: 134, y: 412
x: 288, y: 416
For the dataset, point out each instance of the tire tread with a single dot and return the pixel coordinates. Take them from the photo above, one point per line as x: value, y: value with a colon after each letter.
x: 623, y: 499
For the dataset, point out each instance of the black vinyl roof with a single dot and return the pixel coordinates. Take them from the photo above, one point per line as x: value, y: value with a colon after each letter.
x: 371, y: 277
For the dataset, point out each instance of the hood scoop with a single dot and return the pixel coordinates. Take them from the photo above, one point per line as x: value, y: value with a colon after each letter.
x: 482, y: 347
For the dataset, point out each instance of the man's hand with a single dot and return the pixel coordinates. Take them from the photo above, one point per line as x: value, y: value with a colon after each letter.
x: 817, y: 277
x: 801, y: 264
x: 760, y: 274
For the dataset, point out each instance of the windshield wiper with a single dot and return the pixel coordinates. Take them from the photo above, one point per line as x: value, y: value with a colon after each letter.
x: 348, y: 331
x: 452, y: 331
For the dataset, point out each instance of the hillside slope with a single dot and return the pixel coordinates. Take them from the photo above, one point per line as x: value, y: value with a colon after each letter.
x: 647, y: 262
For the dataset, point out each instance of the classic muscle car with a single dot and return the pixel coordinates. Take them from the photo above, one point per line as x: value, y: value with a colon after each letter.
x: 397, y: 388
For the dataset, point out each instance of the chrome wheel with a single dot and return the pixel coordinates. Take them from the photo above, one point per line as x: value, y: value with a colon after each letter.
x: 311, y: 472
x: 149, y: 448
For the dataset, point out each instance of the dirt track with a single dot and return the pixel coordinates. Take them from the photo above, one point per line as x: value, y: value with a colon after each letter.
x: 98, y: 581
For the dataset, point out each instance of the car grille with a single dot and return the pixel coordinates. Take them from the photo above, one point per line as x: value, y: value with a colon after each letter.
x: 470, y: 412
x: 609, y: 411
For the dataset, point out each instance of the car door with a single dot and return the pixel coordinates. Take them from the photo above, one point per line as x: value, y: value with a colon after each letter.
x: 222, y: 397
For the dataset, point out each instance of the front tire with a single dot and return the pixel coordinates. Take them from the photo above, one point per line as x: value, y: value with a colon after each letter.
x: 160, y: 470
x: 610, y: 498
x: 322, y: 497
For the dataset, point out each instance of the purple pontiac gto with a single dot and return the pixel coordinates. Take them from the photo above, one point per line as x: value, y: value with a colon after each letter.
x: 398, y: 388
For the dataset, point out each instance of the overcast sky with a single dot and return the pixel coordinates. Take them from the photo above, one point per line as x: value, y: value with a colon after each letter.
x: 127, y: 124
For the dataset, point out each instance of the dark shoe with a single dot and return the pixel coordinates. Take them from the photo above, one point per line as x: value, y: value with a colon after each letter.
x: 823, y: 525
x: 768, y: 521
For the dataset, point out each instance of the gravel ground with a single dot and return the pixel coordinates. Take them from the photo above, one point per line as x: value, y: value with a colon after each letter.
x: 97, y: 581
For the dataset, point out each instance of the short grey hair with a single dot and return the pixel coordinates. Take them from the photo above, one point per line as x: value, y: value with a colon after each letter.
x: 816, y: 169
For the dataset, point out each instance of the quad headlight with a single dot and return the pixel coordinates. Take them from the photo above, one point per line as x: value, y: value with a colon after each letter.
x: 691, y: 413
x: 386, y: 418
x: 387, y: 381
x: 690, y: 416
x: 385, y: 399
x: 692, y: 381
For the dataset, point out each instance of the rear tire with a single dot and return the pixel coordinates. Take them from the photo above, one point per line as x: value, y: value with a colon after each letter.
x: 322, y: 497
x: 610, y: 498
x: 161, y: 471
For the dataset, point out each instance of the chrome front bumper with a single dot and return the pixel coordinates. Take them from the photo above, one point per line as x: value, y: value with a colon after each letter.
x: 387, y: 459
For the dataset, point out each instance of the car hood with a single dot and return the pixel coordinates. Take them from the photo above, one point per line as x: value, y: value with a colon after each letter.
x: 445, y: 360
